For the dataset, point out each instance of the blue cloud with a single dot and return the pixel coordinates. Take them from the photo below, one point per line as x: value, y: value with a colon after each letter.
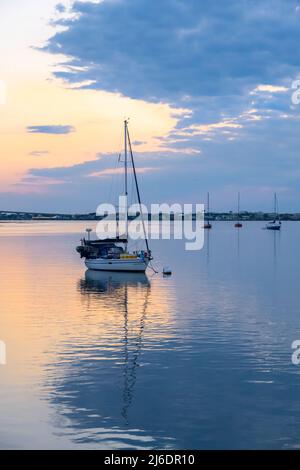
x: 86, y: 170
x: 138, y: 142
x: 167, y: 50
x: 58, y: 129
x: 60, y: 8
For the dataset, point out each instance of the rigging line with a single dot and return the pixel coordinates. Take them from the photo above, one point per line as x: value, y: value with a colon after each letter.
x: 132, y: 195
x: 137, y: 190
x: 153, y: 269
x: 277, y: 208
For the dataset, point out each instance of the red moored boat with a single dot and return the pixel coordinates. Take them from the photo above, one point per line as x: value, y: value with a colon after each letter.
x: 207, y: 224
x: 238, y: 224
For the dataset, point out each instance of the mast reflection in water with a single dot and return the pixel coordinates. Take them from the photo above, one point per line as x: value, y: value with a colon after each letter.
x: 96, y: 390
x: 96, y: 281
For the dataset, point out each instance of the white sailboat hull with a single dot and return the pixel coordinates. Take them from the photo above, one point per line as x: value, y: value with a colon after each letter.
x: 137, y: 265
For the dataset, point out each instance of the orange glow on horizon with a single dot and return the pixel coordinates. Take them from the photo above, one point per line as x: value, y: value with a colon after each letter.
x: 35, y: 98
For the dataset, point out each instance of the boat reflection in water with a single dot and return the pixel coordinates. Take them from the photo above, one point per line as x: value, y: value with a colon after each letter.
x: 101, y: 281
x: 101, y: 373
x: 97, y: 281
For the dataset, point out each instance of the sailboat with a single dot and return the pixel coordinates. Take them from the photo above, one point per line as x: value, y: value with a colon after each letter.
x: 276, y: 223
x: 207, y: 224
x: 111, y: 254
x: 238, y: 223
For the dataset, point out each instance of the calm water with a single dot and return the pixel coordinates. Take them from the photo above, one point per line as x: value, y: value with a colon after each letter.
x: 198, y: 360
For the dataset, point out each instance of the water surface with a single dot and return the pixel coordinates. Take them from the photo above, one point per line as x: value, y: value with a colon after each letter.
x: 200, y: 360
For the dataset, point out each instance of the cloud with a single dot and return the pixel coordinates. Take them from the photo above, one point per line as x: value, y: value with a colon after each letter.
x: 138, y: 142
x: 31, y: 184
x: 167, y: 50
x: 269, y: 89
x: 186, y: 52
x: 60, y: 8
x: 225, y: 126
x: 38, y: 153
x: 104, y: 165
x: 57, y: 129
x: 119, y: 171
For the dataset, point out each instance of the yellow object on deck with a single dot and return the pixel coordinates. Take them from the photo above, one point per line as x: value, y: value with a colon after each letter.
x: 128, y: 257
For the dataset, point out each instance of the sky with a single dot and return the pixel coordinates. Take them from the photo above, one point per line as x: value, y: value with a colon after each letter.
x: 207, y: 86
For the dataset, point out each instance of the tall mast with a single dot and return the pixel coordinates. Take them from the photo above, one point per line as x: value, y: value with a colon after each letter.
x: 126, y: 166
x: 239, y: 197
x: 126, y: 176
x: 276, y: 209
x: 207, y: 216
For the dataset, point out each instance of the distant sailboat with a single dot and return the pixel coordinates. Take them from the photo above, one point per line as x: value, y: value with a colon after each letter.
x: 238, y: 223
x: 276, y: 223
x: 207, y: 224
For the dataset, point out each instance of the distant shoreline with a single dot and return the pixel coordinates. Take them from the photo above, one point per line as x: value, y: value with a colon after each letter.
x: 10, y: 216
